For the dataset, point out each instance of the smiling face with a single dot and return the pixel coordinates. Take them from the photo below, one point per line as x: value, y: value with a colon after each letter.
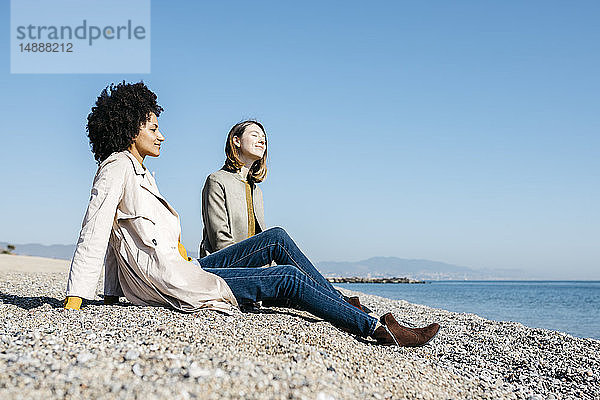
x: 148, y: 140
x: 252, y: 144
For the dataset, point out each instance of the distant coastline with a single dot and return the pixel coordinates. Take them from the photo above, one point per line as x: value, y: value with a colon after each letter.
x: 357, y: 279
x: 417, y: 269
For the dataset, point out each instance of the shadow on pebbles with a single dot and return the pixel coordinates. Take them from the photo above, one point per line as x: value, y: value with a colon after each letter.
x: 125, y: 351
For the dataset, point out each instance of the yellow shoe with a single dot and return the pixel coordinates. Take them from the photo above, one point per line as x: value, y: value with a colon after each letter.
x: 72, y: 303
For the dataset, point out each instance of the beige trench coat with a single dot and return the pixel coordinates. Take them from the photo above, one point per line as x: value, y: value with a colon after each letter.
x: 224, y: 211
x: 133, y: 231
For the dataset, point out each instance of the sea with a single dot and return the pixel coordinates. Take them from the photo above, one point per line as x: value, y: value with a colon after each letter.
x: 567, y: 306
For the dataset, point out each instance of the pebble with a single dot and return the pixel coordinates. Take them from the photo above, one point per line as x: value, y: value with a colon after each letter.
x: 324, y: 396
x: 84, y: 357
x: 195, y: 371
x: 132, y: 355
x: 271, y: 353
x: 137, y: 369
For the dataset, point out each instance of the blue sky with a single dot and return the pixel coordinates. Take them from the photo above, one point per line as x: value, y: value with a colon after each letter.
x: 464, y: 132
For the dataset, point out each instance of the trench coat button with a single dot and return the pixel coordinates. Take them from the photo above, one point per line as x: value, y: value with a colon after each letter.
x: 154, y: 241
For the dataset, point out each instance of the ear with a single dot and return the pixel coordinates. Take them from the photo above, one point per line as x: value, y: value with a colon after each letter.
x: 237, y: 141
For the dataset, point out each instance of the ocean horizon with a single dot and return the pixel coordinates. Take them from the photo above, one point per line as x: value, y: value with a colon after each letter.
x: 570, y: 306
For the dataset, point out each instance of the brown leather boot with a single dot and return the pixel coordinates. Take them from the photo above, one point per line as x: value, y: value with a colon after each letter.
x: 355, y: 301
x: 392, y: 333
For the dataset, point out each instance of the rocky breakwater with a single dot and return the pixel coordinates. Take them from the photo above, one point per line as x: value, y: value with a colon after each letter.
x: 357, y: 279
x: 124, y: 351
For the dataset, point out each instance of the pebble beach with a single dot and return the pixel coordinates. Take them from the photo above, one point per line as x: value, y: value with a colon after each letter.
x: 125, y: 351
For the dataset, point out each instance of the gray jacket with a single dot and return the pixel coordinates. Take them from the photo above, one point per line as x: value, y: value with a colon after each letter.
x: 224, y: 211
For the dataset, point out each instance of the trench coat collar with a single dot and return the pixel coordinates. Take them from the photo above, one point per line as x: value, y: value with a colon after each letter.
x: 137, y: 167
x: 149, y: 184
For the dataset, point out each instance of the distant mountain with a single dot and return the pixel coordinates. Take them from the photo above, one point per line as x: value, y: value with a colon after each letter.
x: 61, y: 251
x: 381, y: 267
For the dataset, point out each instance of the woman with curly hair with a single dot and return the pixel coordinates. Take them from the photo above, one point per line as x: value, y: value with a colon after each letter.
x: 131, y: 230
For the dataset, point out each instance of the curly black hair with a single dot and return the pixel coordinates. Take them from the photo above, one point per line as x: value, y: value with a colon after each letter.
x: 116, y: 118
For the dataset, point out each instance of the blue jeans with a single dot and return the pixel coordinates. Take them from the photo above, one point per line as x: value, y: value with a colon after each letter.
x: 294, y: 278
